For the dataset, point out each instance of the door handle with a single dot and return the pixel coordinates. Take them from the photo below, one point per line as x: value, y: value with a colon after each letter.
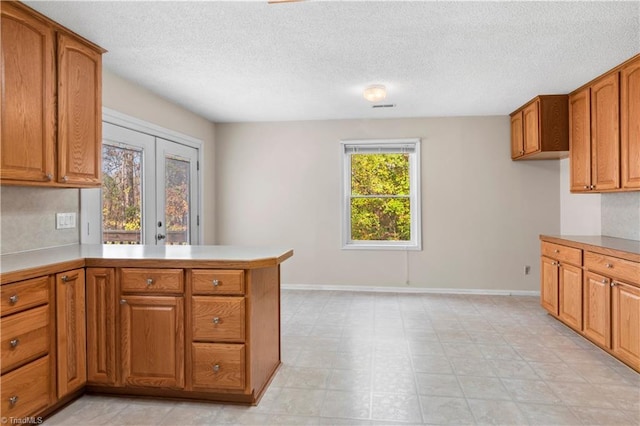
x: 161, y: 236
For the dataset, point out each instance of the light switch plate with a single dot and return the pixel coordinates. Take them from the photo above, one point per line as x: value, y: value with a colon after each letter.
x: 65, y: 220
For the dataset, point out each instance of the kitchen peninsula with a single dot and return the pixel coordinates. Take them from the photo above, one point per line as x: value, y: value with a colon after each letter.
x: 197, y: 322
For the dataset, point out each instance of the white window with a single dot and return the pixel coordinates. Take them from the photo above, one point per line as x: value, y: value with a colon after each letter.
x: 381, y: 194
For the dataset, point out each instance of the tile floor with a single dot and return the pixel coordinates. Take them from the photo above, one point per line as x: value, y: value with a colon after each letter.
x: 380, y: 358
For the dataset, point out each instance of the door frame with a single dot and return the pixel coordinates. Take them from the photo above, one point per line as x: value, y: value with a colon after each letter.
x: 90, y: 199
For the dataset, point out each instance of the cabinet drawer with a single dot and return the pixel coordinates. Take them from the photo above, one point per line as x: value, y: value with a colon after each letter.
x: 218, y: 318
x: 152, y: 280
x: 212, y: 281
x: 23, y: 295
x: 218, y: 366
x: 562, y: 253
x: 25, y: 391
x: 613, y: 267
x: 25, y: 336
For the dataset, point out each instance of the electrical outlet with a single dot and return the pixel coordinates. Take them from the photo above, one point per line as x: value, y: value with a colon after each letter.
x: 527, y: 269
x: 65, y: 220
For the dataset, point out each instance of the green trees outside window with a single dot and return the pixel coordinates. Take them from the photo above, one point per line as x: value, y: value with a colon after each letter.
x: 380, y: 197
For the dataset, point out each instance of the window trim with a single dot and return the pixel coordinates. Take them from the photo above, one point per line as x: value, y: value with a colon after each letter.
x: 414, y: 196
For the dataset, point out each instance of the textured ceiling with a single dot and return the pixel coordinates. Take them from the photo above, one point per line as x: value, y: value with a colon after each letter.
x: 250, y: 61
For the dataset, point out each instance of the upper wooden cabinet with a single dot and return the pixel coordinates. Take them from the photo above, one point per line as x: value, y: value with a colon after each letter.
x: 539, y: 129
x: 604, y: 135
x: 51, y: 102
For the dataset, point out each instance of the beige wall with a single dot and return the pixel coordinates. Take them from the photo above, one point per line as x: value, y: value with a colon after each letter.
x: 279, y: 184
x: 125, y: 97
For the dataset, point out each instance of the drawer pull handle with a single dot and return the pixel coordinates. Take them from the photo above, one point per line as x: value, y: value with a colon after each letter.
x: 609, y: 265
x: 216, y: 283
x: 14, y: 342
x: 13, y: 299
x: 149, y: 281
x: 216, y: 320
x: 13, y: 401
x: 216, y: 368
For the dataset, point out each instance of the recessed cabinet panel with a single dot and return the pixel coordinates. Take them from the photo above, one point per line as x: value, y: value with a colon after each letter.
x: 530, y: 116
x: 101, y: 326
x: 79, y: 112
x: 605, y: 133
x: 597, y: 308
x: 571, y: 295
x: 549, y: 285
x: 580, y: 140
x: 517, y: 135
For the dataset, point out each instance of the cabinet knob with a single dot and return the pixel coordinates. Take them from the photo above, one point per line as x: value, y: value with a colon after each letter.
x: 216, y: 320
x: 592, y: 187
x: 149, y: 281
x: 65, y: 178
x: 556, y: 251
x: 13, y: 400
x: 14, y: 342
x: 123, y: 301
x: 216, y: 283
x: 604, y: 281
x: 609, y: 265
x: 49, y: 177
x: 13, y: 299
x: 216, y: 368
x: 586, y: 187
x: 64, y: 278
x: 613, y: 283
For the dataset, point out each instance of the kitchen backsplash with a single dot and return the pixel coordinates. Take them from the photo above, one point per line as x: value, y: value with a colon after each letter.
x: 621, y: 214
x: 28, y: 217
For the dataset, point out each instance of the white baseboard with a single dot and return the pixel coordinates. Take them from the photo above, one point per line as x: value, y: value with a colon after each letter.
x: 381, y: 289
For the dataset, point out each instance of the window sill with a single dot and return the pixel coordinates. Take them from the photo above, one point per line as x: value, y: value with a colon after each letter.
x: 379, y: 246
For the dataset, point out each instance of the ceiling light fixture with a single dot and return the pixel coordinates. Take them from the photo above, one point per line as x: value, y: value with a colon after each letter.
x: 375, y: 93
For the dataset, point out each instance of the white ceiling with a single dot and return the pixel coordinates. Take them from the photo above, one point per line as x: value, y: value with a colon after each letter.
x: 250, y: 61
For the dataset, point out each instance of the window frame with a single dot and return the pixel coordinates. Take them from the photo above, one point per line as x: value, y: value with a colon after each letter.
x: 415, y: 201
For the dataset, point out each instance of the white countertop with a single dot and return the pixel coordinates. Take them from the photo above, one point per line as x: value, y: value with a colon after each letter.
x: 41, y: 258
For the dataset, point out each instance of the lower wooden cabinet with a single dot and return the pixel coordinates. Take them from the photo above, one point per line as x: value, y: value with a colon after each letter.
x: 101, y: 327
x: 597, y: 308
x: 600, y: 300
x: 71, y: 331
x: 152, y: 341
x: 26, y: 391
x: 570, y: 304
x: 218, y: 366
x: 27, y: 348
x: 625, y: 341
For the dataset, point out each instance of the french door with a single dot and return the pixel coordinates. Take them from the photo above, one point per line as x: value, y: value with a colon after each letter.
x: 149, y: 189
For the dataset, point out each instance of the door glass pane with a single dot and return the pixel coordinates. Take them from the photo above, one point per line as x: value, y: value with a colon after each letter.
x: 121, y: 195
x: 177, y: 201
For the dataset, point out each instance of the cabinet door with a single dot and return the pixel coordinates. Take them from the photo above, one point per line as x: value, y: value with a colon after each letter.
x: 630, y: 125
x: 597, y: 308
x: 152, y: 341
x: 549, y: 285
x: 71, y: 331
x: 626, y: 322
x: 517, y: 142
x: 605, y: 133
x: 580, y: 140
x: 531, y: 125
x: 101, y: 326
x: 571, y: 296
x: 79, y: 112
x: 28, y: 97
